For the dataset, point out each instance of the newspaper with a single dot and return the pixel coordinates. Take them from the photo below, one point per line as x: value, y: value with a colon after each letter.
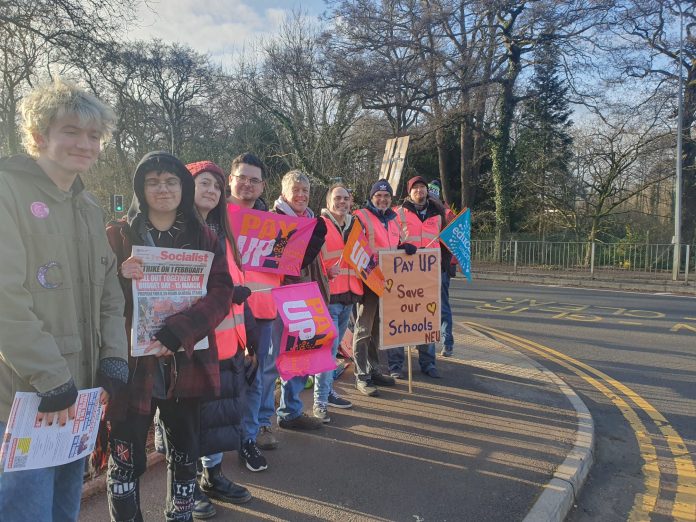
x: 25, y: 445
x: 174, y: 280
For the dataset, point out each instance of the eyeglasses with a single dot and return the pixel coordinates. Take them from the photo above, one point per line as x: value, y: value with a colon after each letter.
x: 244, y: 179
x: 170, y: 184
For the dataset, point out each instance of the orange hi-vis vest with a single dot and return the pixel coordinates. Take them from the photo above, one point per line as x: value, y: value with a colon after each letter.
x: 417, y: 232
x: 260, y: 300
x: 332, y: 250
x: 378, y: 237
x: 230, y: 334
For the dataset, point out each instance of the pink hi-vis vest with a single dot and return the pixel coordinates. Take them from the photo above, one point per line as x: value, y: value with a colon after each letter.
x: 378, y: 237
x: 417, y: 232
x: 346, y: 280
x: 230, y: 334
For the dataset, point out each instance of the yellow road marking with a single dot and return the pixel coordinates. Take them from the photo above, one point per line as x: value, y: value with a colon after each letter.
x: 684, y: 507
x: 630, y: 323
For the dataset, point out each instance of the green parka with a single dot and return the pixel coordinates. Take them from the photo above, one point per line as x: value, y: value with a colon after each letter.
x: 61, y: 306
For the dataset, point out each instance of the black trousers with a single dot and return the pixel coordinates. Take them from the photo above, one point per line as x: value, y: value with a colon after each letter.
x: 180, y: 419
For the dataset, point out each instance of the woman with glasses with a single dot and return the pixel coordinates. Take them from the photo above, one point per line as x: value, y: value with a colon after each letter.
x: 171, y: 377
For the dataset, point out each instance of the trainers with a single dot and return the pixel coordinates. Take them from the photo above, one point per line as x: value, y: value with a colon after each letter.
x: 216, y: 485
x: 396, y: 375
x: 265, y: 440
x: 304, y: 422
x: 250, y: 455
x: 336, y: 401
x: 202, y: 506
x: 366, y: 388
x: 432, y: 373
x: 447, y: 351
x: 321, y: 413
x: 379, y: 379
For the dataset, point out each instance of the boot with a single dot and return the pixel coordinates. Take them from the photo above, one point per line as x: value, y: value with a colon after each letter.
x: 202, y: 507
x: 216, y: 485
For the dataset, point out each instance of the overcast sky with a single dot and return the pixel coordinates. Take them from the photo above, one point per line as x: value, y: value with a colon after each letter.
x: 218, y: 27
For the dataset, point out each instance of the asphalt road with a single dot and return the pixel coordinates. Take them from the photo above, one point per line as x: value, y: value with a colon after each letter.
x: 632, y: 358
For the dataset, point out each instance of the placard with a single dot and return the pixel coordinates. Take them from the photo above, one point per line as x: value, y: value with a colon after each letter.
x: 409, y: 308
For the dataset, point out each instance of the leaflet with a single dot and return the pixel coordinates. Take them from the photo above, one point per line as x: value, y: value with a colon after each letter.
x: 174, y: 280
x: 27, y: 445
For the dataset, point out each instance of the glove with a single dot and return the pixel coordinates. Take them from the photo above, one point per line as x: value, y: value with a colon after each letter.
x: 240, y: 294
x: 409, y: 248
x: 452, y: 270
x: 251, y: 365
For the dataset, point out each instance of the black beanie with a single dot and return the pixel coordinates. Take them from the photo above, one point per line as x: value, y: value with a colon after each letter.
x: 381, y: 184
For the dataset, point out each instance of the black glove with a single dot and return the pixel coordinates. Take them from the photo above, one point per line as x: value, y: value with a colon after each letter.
x: 251, y: 365
x: 452, y: 270
x: 240, y: 294
x: 409, y: 248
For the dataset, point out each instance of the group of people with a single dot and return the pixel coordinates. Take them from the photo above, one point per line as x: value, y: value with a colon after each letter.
x: 66, y: 307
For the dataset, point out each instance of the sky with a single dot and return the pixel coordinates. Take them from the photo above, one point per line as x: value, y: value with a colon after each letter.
x: 217, y: 27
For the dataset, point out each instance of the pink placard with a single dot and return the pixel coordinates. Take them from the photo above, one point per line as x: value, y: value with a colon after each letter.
x: 270, y: 242
x: 308, y: 331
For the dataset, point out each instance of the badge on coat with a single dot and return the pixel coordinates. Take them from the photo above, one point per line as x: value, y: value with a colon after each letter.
x: 39, y: 209
x: 44, y: 275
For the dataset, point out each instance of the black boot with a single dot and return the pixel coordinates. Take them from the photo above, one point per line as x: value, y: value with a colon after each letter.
x: 202, y: 507
x: 216, y: 485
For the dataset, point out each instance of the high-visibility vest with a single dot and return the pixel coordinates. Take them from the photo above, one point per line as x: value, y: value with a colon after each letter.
x: 260, y: 300
x: 230, y: 334
x: 378, y: 237
x: 331, y: 252
x: 260, y: 283
x: 417, y: 232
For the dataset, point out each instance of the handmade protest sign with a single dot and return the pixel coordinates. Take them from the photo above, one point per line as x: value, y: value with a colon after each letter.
x: 270, y: 242
x: 359, y: 257
x: 410, y: 306
x: 457, y: 238
x: 308, y: 331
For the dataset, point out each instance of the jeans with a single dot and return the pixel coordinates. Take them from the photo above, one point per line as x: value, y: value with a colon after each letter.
x: 210, y: 461
x: 446, y: 326
x: 259, y: 404
x: 366, y: 337
x: 340, y: 314
x: 180, y: 420
x: 42, y: 494
x: 426, y: 358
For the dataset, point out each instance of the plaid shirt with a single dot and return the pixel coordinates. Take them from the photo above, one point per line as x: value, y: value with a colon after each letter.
x: 193, y: 373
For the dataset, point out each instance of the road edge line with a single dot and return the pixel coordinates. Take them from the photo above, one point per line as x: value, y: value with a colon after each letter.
x: 559, y: 494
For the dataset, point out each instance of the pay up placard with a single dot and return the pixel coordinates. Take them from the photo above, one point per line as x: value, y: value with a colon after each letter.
x: 409, y: 308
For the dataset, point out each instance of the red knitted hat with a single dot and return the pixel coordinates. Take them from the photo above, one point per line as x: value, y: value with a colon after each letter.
x: 206, y: 166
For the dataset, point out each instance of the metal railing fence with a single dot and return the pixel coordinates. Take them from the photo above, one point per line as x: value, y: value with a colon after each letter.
x: 593, y: 258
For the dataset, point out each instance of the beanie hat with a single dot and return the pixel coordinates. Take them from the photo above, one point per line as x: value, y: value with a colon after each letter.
x: 434, y: 188
x: 414, y: 180
x: 206, y: 166
x: 381, y: 185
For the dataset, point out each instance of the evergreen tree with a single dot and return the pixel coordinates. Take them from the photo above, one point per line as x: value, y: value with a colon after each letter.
x: 543, y: 148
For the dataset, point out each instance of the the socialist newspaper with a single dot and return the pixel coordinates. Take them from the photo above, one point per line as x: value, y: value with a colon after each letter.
x: 174, y: 280
x: 27, y: 445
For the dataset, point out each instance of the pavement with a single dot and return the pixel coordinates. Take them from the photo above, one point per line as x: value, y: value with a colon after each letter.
x: 498, y: 438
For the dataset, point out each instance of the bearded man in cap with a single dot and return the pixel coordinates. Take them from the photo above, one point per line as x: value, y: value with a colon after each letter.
x: 379, y: 222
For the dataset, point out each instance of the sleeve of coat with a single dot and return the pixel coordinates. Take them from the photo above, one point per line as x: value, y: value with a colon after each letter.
x: 199, y: 320
x: 29, y: 350
x: 114, y: 340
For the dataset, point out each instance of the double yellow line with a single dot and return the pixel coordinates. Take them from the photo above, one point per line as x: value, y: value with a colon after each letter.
x: 684, y: 503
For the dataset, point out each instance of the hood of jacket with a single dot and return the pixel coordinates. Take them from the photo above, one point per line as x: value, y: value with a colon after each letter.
x: 26, y: 166
x: 162, y: 161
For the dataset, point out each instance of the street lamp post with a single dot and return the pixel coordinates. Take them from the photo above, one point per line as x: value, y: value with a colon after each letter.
x: 678, y: 179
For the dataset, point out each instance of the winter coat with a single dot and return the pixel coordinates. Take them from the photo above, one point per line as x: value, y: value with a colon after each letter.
x: 194, y: 374
x: 61, y: 308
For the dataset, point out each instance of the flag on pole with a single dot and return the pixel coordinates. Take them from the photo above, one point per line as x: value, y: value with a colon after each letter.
x: 457, y: 238
x: 308, y: 331
x: 360, y: 258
